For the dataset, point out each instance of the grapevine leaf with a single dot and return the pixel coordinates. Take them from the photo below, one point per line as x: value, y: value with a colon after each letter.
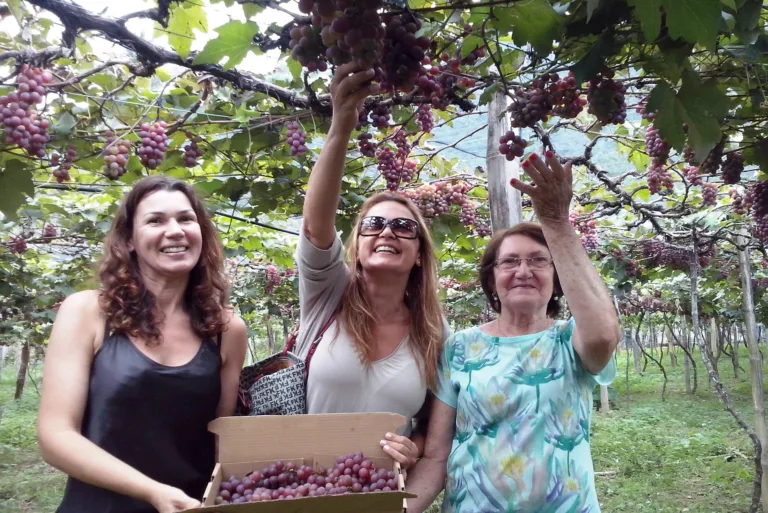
x: 696, y: 21
x: 649, y: 14
x: 590, y: 65
x: 15, y: 184
x: 294, y: 67
x: 747, y: 20
x: 15, y: 7
x: 669, y: 119
x: 234, y: 41
x: 64, y: 124
x: 531, y: 21
x: 729, y: 3
x: 757, y: 154
x: 183, y: 20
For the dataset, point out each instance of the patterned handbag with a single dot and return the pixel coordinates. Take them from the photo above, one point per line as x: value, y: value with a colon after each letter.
x: 277, y: 385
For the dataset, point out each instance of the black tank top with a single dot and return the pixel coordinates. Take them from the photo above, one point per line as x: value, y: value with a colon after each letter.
x: 153, y: 417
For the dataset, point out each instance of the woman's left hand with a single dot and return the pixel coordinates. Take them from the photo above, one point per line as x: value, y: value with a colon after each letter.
x: 552, y: 187
x: 401, y: 449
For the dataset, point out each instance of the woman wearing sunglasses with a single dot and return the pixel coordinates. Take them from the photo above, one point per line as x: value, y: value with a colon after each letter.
x: 381, y: 350
x: 511, y: 423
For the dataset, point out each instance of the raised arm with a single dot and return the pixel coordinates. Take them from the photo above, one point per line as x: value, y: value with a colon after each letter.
x: 349, y: 88
x: 597, y: 325
x: 65, y: 391
x: 427, y: 477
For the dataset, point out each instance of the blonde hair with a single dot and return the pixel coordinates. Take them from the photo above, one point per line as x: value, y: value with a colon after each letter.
x: 421, y: 299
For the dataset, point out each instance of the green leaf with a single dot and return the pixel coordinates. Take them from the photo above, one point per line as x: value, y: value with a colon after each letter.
x: 729, y: 3
x: 294, y: 67
x: 15, y: 7
x: 531, y: 21
x: 589, y: 65
x: 592, y: 6
x: 696, y: 21
x: 757, y: 154
x: 15, y: 184
x: 184, y: 19
x: 649, y: 14
x: 64, y: 124
x: 234, y: 41
x: 699, y: 105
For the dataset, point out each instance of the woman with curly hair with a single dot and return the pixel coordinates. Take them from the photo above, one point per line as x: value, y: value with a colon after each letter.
x: 135, y: 371
x: 381, y: 350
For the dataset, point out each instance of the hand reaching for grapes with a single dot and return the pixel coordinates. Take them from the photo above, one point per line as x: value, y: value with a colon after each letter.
x: 402, y: 449
x: 349, y: 89
x: 552, y: 187
x: 167, y: 499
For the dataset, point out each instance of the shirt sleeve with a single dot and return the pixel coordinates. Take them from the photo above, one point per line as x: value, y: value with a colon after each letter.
x: 604, y: 377
x: 446, y: 390
x: 323, y: 277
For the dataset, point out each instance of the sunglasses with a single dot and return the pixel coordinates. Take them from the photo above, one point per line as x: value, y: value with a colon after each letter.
x: 402, y: 227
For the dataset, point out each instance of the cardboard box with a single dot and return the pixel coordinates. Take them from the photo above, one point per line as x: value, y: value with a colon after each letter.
x: 247, y: 444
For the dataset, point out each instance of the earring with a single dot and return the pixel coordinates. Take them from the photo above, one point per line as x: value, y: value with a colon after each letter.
x: 418, y: 262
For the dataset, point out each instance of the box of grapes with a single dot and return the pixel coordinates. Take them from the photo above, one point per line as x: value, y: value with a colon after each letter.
x: 306, y: 463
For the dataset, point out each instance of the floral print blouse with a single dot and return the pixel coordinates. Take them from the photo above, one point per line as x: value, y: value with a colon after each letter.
x: 523, y: 413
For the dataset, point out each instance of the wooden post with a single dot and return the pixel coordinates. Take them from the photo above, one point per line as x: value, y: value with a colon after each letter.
x: 504, y: 200
x: 758, y: 400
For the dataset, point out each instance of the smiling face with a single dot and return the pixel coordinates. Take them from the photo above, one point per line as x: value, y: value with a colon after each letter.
x: 386, y: 251
x: 523, y: 289
x: 166, y: 236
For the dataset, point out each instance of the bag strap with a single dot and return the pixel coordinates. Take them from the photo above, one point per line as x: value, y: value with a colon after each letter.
x: 291, y: 342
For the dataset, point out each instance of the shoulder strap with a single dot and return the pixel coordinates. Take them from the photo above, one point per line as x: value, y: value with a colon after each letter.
x: 316, y: 342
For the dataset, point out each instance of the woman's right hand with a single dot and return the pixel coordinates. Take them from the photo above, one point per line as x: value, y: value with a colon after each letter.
x: 349, y: 89
x: 167, y: 499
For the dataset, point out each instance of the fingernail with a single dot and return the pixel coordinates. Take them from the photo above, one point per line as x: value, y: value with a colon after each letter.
x: 383, y: 443
x: 512, y: 181
x: 549, y: 154
x: 526, y: 163
x: 533, y: 156
x: 370, y: 72
x: 388, y: 436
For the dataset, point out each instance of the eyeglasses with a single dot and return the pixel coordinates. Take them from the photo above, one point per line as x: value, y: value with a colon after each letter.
x: 402, y: 227
x: 510, y: 263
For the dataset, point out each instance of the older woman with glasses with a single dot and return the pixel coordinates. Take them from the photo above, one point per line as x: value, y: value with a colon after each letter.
x: 510, y: 430
x: 372, y: 325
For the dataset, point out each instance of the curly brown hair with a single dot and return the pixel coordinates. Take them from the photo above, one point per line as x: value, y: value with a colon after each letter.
x: 129, y: 307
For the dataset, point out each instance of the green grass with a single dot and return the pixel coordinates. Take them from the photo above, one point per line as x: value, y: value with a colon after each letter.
x: 686, y: 454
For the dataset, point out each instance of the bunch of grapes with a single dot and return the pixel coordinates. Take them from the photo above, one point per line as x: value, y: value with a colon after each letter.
x: 49, y: 231
x: 295, y: 138
x: 352, y: 473
x: 641, y: 109
x: 566, y: 97
x: 692, y: 175
x: 424, y: 118
x: 732, y: 168
x: 468, y: 214
x: 21, y: 124
x: 362, y: 118
x: 739, y: 206
x: 403, y: 52
x: 587, y: 228
x: 429, y: 201
x: 273, y: 279
x: 483, y: 229
x: 367, y: 148
x: 388, y: 166
x: 658, y: 177
x: 429, y: 85
x: 605, y: 97
x: 759, y: 196
x: 380, y: 117
x: 657, y: 148
x: 307, y: 47
x: 631, y: 269
x: 403, y: 148
x: 154, y: 144
x: 512, y: 145
x: 61, y: 173
x: 191, y: 154
x: 709, y: 194
x: 115, y: 156
x: 714, y: 158
x: 17, y: 245
x: 529, y: 106
x: 408, y: 170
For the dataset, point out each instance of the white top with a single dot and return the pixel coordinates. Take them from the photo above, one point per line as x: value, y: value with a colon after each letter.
x: 339, y: 381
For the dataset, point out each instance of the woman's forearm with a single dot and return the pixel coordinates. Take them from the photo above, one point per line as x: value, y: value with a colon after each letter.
x: 597, y: 324
x: 78, y: 457
x: 426, y: 479
x: 324, y: 189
